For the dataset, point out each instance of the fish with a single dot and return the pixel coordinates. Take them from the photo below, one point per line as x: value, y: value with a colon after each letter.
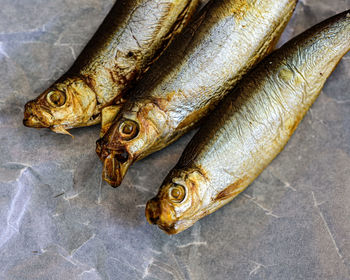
x: 183, y: 88
x: 132, y: 37
x: 250, y: 127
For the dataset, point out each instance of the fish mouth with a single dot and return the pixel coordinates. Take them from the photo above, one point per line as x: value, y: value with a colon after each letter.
x: 154, y: 216
x: 153, y: 211
x: 32, y: 118
x: 115, y: 166
x: 33, y: 121
x: 35, y: 118
x: 116, y: 162
x: 158, y: 213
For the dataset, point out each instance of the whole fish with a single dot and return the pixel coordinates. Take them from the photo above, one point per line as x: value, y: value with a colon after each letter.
x: 233, y: 37
x: 251, y: 126
x: 131, y: 38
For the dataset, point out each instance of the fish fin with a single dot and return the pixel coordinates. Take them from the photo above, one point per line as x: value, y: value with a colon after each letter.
x: 61, y: 130
x: 108, y: 116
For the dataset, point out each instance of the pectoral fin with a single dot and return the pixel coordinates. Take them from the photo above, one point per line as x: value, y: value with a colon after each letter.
x: 108, y: 115
x: 61, y: 130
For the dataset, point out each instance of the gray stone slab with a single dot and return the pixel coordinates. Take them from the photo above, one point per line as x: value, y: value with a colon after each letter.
x: 58, y: 220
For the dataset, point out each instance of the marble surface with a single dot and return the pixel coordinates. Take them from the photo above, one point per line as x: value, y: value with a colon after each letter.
x: 58, y: 220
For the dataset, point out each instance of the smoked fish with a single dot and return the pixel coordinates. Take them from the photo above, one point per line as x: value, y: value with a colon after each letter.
x: 250, y: 127
x: 131, y: 38
x: 234, y: 36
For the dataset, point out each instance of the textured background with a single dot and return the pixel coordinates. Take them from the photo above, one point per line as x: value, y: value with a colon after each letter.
x: 59, y: 221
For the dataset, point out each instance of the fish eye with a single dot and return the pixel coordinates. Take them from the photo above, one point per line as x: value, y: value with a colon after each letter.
x: 56, y: 98
x: 177, y: 193
x: 128, y: 129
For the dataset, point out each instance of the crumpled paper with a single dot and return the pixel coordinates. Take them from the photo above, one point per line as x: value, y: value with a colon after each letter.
x: 58, y: 220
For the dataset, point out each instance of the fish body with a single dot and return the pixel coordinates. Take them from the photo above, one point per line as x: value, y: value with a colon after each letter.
x: 250, y: 127
x: 233, y: 37
x: 132, y: 37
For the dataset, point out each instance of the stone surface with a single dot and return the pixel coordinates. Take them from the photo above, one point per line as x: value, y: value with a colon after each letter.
x: 58, y: 220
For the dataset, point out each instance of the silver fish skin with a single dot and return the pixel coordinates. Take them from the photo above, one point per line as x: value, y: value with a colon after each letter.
x: 250, y: 127
x: 132, y: 37
x: 234, y: 36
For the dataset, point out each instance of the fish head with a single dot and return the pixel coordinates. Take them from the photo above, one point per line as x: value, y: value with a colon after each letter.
x: 133, y: 135
x: 66, y: 104
x: 115, y: 152
x: 179, y: 202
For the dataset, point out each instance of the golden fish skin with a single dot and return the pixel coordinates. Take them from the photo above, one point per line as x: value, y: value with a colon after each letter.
x: 233, y: 37
x: 250, y: 128
x: 132, y: 37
